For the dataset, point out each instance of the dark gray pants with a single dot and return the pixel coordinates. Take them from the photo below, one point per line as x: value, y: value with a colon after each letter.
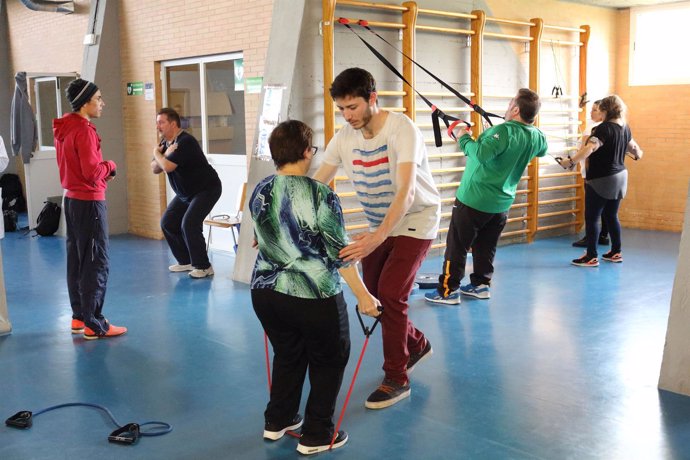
x: 480, y: 231
x: 87, y: 261
x: 183, y: 227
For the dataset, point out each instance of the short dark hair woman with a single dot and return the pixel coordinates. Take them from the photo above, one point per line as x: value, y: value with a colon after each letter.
x: 296, y: 290
x: 607, y: 178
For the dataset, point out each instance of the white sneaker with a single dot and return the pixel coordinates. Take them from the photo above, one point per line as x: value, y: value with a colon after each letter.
x: 201, y: 272
x: 181, y: 268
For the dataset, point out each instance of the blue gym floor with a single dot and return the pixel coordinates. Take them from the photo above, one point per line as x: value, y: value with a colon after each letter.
x: 561, y: 363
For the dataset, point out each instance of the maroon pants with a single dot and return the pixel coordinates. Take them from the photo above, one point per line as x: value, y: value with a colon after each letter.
x: 389, y: 273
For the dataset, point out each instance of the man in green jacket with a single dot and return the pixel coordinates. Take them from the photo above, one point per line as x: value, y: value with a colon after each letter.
x: 495, y: 163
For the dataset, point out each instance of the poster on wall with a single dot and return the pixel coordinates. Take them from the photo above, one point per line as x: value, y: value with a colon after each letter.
x: 270, y: 117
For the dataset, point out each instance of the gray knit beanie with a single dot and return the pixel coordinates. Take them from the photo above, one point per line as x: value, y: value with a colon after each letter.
x: 79, y: 92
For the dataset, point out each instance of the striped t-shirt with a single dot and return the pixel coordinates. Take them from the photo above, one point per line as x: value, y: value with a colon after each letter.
x: 371, y: 164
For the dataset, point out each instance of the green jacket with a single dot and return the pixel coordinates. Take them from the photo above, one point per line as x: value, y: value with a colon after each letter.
x: 495, y: 163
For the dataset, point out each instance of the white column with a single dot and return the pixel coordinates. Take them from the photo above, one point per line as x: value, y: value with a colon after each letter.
x: 675, y: 367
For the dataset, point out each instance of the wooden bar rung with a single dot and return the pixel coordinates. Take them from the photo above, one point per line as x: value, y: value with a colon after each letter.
x: 557, y: 200
x: 558, y: 187
x: 446, y: 14
x: 558, y: 213
x: 561, y: 42
x: 444, y: 140
x: 380, y: 6
x: 515, y: 233
x: 521, y: 38
x: 356, y: 227
x: 380, y: 24
x: 444, y: 94
x: 509, y: 21
x: 446, y: 109
x: 352, y: 210
x: 564, y: 29
x: 441, y: 156
x: 447, y: 170
x: 560, y: 174
x: 561, y: 225
x: 448, y: 185
x: 446, y: 30
x: 518, y: 219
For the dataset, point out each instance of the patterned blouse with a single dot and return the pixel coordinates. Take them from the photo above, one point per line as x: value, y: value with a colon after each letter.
x: 298, y: 223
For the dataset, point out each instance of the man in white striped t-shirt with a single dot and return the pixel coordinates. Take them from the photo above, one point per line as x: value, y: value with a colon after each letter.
x: 384, y: 155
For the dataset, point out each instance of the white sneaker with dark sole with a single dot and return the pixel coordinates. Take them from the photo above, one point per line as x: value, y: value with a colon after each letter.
x: 309, y: 448
x: 274, y: 433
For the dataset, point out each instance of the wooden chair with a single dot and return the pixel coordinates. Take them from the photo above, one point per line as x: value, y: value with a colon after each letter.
x: 228, y: 221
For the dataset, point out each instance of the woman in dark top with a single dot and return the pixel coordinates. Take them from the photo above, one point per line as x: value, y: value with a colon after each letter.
x: 607, y: 178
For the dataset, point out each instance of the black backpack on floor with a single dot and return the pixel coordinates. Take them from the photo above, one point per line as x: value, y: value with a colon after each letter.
x: 12, y: 194
x: 48, y: 220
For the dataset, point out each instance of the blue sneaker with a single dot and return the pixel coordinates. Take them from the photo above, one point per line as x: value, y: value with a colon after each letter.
x: 451, y: 299
x: 480, y: 292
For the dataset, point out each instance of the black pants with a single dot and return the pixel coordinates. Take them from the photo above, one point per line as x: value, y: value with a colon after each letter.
x: 183, y: 227
x: 597, y: 206
x: 474, y: 229
x: 305, y: 333
x: 87, y: 261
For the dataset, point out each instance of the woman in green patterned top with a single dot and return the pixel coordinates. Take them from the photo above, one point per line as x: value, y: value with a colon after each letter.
x: 296, y: 290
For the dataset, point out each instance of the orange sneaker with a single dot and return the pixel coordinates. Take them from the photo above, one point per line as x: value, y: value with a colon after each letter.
x: 114, y: 331
x: 77, y: 326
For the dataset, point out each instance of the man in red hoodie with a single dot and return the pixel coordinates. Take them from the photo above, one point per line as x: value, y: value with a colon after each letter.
x: 84, y: 175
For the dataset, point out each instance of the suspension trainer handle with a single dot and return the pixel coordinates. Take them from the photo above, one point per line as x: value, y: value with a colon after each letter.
x: 368, y: 331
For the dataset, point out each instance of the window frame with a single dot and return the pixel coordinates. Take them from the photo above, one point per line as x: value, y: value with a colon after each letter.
x: 660, y: 78
x: 218, y: 158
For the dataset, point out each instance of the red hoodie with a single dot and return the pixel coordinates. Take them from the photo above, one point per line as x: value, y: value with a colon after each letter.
x: 82, y: 169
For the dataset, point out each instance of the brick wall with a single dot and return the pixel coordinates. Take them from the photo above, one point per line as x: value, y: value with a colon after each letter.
x: 46, y: 42
x: 660, y: 122
x: 156, y: 31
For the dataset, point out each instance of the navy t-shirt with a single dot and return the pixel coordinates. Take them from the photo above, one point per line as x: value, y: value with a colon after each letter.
x: 193, y: 173
x: 608, y: 159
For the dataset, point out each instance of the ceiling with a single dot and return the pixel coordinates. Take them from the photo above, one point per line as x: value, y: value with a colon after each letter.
x: 621, y: 3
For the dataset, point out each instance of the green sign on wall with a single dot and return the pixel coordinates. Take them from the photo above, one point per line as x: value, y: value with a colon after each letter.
x: 135, y: 88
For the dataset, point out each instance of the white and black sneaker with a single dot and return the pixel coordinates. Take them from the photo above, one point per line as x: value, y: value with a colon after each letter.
x: 307, y: 447
x: 275, y: 431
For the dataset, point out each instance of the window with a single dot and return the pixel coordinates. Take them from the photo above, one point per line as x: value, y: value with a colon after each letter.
x: 208, y: 93
x: 51, y: 103
x: 656, y: 35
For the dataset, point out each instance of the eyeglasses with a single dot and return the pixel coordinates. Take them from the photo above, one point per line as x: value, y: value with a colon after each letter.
x: 314, y: 150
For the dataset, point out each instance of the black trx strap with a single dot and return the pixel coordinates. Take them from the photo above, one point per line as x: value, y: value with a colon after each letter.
x: 436, y: 113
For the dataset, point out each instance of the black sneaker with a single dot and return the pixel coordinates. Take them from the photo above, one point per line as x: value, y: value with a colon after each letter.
x: 274, y: 431
x: 582, y: 243
x: 306, y: 447
x: 387, y: 394
x: 417, y: 357
x: 586, y: 261
x: 604, y: 240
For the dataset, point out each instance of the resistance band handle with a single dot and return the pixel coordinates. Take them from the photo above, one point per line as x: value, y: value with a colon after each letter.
x: 128, y: 434
x: 368, y: 331
x: 21, y: 419
x: 344, y: 21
